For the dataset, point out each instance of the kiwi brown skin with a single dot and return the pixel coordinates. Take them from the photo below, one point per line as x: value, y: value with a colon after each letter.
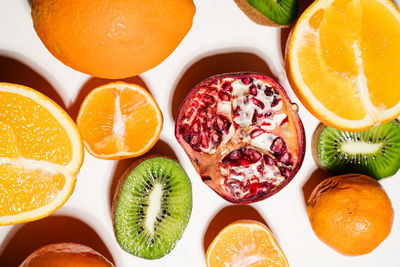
x: 314, y: 145
x: 256, y: 15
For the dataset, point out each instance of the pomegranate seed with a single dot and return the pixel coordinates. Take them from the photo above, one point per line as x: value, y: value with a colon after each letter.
x: 278, y: 145
x: 253, y: 90
x: 285, y: 172
x: 221, y: 124
x: 268, y: 114
x: 204, y: 140
x: 234, y: 155
x: 247, y: 80
x: 286, y: 158
x: 195, y: 142
x: 210, y: 113
x: 224, y: 96
x: 275, y: 101
x: 216, y: 138
x: 260, y: 168
x: 269, y: 161
x: 258, y: 189
x: 209, y: 124
x: 196, y: 126
x: 254, y: 118
x: 258, y: 103
x: 268, y: 91
x: 256, y: 132
x: 245, y: 185
x: 202, y: 112
x: 255, y: 155
x: 185, y: 130
x: 243, y: 162
x: 227, y: 87
x: 189, y: 113
x: 195, y: 104
x: 235, y: 113
x: 209, y: 100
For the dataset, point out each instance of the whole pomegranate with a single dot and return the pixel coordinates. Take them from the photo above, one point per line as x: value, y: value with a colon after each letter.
x: 242, y: 134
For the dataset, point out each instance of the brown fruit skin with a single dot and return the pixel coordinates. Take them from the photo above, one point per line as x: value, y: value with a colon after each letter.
x: 256, y: 15
x: 66, y: 255
x: 350, y: 213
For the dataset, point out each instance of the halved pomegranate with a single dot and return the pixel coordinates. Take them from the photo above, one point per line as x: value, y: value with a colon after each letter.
x: 242, y: 134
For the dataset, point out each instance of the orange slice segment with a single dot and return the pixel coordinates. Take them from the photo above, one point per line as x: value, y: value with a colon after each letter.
x: 119, y: 120
x: 245, y: 243
x: 343, y: 62
x: 40, y: 154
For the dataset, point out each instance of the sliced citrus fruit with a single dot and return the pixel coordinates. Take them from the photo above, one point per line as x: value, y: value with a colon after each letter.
x: 343, y: 62
x: 119, y: 120
x: 40, y: 154
x: 245, y: 243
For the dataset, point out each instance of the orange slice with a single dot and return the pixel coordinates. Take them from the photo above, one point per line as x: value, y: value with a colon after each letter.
x: 119, y: 120
x: 343, y: 62
x: 245, y: 244
x: 40, y: 154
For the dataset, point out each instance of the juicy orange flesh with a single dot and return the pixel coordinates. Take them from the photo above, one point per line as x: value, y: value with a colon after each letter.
x: 345, y: 40
x: 380, y: 42
x: 28, y: 130
x: 24, y: 190
x: 96, y: 123
x: 141, y: 122
x: 117, y: 120
x: 245, y: 246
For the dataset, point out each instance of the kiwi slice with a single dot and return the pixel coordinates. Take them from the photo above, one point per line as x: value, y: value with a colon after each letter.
x: 281, y: 13
x: 375, y: 152
x: 153, y: 208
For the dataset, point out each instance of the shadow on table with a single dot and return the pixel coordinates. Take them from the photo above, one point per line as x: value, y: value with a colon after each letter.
x: 12, y: 70
x: 53, y: 229
x: 315, y: 178
x: 212, y: 65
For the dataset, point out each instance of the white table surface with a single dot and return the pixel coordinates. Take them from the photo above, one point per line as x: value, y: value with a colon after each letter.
x: 222, y: 39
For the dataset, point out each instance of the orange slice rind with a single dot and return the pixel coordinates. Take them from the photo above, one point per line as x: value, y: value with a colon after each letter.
x: 343, y: 62
x: 119, y: 120
x: 245, y: 243
x: 40, y: 154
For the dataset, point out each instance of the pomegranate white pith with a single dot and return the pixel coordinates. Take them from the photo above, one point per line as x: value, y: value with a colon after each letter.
x: 242, y: 134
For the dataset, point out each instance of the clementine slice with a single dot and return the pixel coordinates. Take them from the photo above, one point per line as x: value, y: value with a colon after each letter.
x: 119, y: 120
x: 343, y: 62
x: 245, y: 244
x: 40, y: 154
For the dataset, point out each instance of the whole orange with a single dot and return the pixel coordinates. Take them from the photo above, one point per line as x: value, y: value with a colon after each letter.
x: 112, y: 38
x: 350, y: 213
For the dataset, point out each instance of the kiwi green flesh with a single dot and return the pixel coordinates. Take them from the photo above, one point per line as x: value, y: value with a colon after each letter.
x: 153, y: 209
x: 375, y: 152
x: 282, y: 12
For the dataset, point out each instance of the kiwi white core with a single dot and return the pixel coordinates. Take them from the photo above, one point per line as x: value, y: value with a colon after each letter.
x: 155, y: 198
x: 360, y: 147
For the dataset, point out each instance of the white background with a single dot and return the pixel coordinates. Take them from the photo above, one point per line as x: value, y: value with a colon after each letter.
x: 222, y: 39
